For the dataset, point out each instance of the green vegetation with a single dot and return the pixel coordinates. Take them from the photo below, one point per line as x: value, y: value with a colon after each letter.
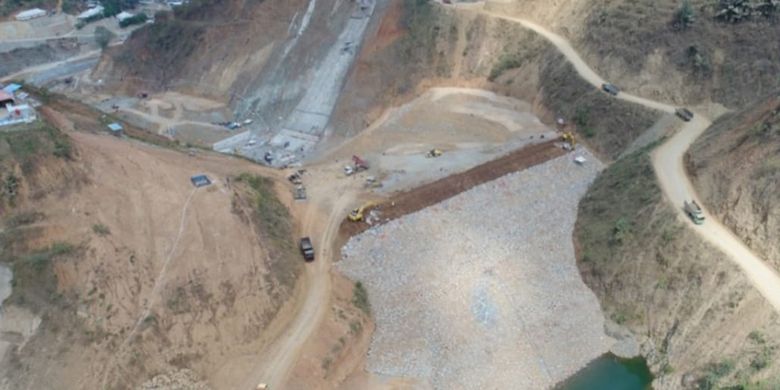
x: 34, y: 283
x: 505, y: 62
x: 713, y: 374
x: 35, y: 141
x: 273, y: 216
x: 612, y: 206
x: 685, y: 15
x: 360, y: 298
x: 23, y: 218
x: 137, y: 19
x: 100, y: 229
x: 103, y: 36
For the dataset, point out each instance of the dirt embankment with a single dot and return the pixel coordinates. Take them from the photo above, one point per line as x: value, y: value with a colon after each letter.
x: 736, y: 169
x: 132, y: 270
x: 699, y: 320
x: 417, y: 45
x: 433, y: 193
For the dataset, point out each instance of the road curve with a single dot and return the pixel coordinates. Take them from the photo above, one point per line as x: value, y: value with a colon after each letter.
x: 669, y: 167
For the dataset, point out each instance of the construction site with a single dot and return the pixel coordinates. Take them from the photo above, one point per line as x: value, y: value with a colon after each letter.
x: 382, y: 194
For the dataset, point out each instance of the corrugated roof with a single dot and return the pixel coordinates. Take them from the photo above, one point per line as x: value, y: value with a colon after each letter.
x: 5, y: 96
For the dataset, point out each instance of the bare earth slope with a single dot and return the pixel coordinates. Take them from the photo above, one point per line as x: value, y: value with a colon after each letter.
x: 151, y: 274
x: 736, y: 169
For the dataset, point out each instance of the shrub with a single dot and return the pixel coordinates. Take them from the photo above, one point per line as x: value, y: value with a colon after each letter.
x: 103, y: 36
x: 360, y: 298
x: 100, y: 229
x: 137, y: 19
x: 685, y: 15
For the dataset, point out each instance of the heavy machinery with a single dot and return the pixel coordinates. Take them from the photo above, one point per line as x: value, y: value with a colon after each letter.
x: 433, y: 153
x: 356, y: 215
x: 568, y: 137
x: 307, y: 249
x: 684, y: 114
x: 694, y: 211
x: 358, y: 164
x: 610, y: 89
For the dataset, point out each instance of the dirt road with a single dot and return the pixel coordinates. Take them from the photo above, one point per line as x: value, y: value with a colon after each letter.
x: 670, y: 170
x: 286, y: 350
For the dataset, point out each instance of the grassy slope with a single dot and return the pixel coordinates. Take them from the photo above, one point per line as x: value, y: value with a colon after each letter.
x: 690, y: 306
x: 736, y: 62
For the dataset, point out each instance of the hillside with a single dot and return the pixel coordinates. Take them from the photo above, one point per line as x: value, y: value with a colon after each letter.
x: 736, y: 168
x: 459, y: 47
x: 123, y: 270
x: 697, y: 318
x: 644, y: 45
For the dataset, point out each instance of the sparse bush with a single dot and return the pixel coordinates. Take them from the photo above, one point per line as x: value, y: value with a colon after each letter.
x: 360, y: 298
x: 103, y: 36
x: 100, y: 229
x: 505, y: 62
x: 685, y: 15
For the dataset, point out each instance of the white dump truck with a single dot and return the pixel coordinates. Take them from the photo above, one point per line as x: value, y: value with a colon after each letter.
x: 694, y: 211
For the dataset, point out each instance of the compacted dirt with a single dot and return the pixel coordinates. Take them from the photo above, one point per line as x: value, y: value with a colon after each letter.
x: 427, y: 195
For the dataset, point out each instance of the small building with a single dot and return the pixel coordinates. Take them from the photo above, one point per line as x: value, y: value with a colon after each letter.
x: 115, y: 128
x: 6, y: 98
x: 12, y: 114
x: 200, y: 180
x: 90, y: 13
x: 30, y: 14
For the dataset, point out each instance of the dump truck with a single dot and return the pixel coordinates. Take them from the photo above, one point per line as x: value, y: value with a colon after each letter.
x: 694, y: 211
x: 356, y: 215
x: 307, y: 249
x: 610, y: 89
x: 684, y: 114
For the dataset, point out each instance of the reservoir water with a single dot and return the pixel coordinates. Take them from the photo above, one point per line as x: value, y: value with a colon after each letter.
x: 610, y: 372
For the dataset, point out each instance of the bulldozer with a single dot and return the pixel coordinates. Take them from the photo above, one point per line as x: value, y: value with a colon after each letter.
x: 433, y: 153
x: 568, y: 137
x: 356, y: 215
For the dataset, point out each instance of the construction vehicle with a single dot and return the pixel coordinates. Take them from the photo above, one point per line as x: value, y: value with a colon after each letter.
x: 610, y: 89
x: 307, y: 249
x: 568, y: 137
x: 433, y: 153
x: 684, y: 114
x: 261, y: 386
x: 356, y: 215
x: 694, y: 211
x: 358, y: 164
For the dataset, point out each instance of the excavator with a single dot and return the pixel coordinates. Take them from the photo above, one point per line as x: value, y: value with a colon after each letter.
x: 356, y: 215
x: 569, y: 138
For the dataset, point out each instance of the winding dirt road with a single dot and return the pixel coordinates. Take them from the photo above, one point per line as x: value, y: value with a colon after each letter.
x: 669, y: 167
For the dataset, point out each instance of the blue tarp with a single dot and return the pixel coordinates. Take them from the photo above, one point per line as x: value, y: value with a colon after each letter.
x: 115, y: 127
x: 11, y: 88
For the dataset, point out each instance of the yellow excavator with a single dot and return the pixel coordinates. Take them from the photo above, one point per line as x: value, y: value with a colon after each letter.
x: 569, y: 137
x: 356, y: 215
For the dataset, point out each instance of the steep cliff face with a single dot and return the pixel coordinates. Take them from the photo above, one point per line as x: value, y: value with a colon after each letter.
x: 700, y: 323
x: 736, y: 169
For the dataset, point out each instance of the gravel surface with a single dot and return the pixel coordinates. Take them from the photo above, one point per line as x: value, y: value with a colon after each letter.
x: 482, y: 290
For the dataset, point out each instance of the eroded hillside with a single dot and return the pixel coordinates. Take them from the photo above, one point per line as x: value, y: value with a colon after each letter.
x: 736, y: 167
x: 124, y: 270
x: 699, y: 321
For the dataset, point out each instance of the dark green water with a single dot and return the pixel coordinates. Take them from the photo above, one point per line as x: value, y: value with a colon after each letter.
x: 611, y: 373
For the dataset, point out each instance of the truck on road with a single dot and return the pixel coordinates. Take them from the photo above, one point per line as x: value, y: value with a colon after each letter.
x: 694, y: 211
x: 684, y: 114
x: 307, y: 249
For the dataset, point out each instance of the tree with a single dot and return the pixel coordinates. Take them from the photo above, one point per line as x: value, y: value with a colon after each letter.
x: 103, y: 36
x: 685, y: 16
